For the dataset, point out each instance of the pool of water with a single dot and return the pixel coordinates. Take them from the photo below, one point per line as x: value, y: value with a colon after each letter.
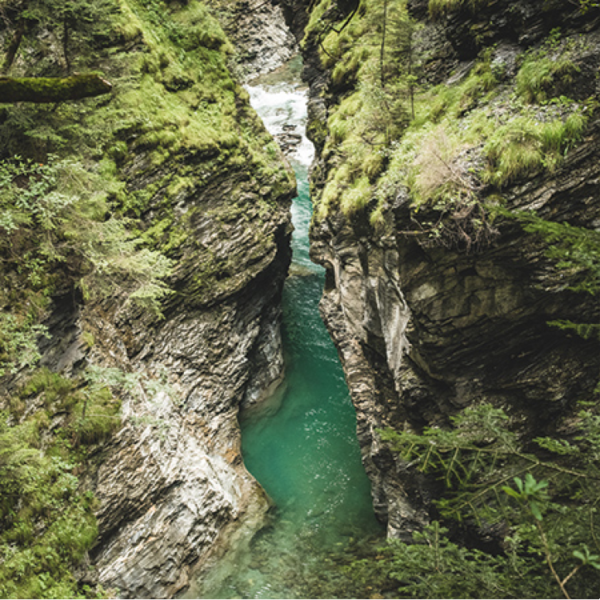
x: 301, y: 443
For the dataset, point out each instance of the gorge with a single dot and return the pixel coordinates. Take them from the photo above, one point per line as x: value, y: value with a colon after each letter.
x: 147, y: 236
x: 301, y: 443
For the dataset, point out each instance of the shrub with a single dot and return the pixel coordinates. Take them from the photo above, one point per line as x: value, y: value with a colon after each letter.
x: 540, y: 79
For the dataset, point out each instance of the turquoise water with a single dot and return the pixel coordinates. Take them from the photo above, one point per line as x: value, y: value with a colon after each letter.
x: 301, y: 444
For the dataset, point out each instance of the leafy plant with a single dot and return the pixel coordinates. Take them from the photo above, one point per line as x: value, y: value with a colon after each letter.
x: 543, y: 535
x: 541, y: 79
x: 529, y: 492
x: 18, y: 343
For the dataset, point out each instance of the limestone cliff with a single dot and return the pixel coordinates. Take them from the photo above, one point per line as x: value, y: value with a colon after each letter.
x: 176, y: 152
x: 260, y: 33
x: 430, y: 310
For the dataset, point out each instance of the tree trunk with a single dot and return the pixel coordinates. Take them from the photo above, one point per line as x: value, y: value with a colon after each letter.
x: 382, y: 49
x: 14, y: 46
x: 52, y: 89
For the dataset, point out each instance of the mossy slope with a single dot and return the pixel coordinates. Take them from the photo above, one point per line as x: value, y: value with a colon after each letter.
x: 165, y: 195
x: 500, y: 118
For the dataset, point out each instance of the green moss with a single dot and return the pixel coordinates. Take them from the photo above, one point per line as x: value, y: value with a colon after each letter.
x: 357, y: 196
x: 371, y: 119
x: 52, y: 89
x: 477, y: 88
x: 316, y: 23
x: 174, y: 93
x: 199, y: 28
x: 474, y: 131
x: 47, y: 523
x: 54, y: 388
x: 60, y: 394
x: 316, y: 131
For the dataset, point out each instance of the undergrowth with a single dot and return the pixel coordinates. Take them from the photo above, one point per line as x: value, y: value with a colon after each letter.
x: 453, y: 147
x: 538, y: 503
x: 47, y: 523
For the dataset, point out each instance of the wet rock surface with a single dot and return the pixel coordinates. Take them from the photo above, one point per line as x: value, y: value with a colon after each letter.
x: 264, y: 41
x: 289, y: 139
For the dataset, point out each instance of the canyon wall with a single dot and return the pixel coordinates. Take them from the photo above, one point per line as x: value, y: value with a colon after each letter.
x: 430, y: 312
x: 190, y: 166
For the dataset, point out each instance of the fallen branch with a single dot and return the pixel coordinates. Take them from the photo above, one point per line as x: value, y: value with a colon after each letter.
x: 52, y: 89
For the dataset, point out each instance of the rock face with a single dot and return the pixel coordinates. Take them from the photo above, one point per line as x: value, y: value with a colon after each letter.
x: 201, y: 179
x: 262, y: 37
x: 171, y: 484
x: 424, y: 329
x: 423, y: 332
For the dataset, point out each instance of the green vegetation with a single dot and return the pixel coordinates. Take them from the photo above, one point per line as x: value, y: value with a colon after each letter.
x: 548, y: 71
x: 524, y: 147
x: 52, y: 89
x: 173, y: 101
x: 453, y: 147
x: 50, y: 237
x: 371, y: 118
x: 72, y: 212
x: 537, y: 78
x: 46, y: 523
x: 439, y: 8
x: 575, y: 254
x: 537, y: 505
x: 574, y: 250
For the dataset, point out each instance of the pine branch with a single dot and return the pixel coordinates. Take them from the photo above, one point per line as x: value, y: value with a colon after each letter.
x: 549, y: 561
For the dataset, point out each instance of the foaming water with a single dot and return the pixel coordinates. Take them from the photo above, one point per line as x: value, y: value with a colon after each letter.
x: 301, y: 443
x: 280, y: 100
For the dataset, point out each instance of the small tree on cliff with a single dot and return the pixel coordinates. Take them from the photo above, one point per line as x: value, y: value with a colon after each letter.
x: 394, y: 32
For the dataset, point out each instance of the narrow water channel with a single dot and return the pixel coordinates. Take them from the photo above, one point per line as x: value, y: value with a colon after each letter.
x: 301, y: 444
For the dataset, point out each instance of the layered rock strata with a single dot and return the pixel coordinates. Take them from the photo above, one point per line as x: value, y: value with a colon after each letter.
x: 171, y: 483
x: 425, y: 329
x: 262, y: 37
x: 199, y: 178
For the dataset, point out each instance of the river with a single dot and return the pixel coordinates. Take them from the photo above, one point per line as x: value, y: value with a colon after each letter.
x: 300, y: 444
